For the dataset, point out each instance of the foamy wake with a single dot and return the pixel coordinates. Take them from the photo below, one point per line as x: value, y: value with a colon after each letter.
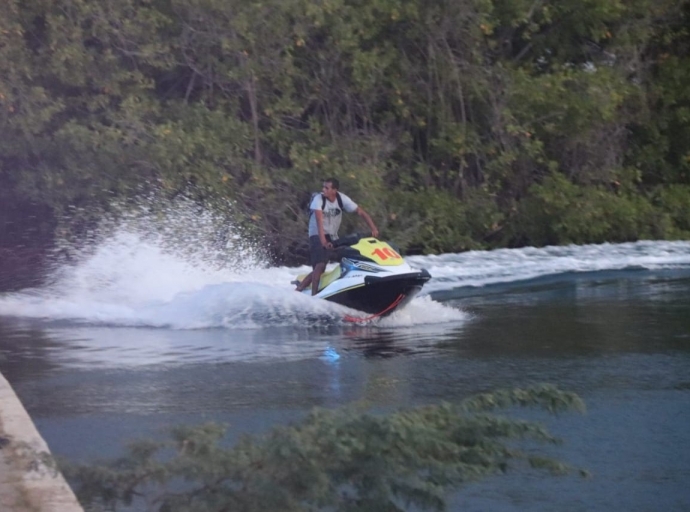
x: 174, y: 270
x: 147, y: 274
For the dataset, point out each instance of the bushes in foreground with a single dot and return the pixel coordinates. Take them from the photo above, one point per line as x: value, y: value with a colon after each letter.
x: 336, y: 460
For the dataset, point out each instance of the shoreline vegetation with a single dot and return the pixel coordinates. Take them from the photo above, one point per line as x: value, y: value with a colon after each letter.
x: 341, y: 459
x: 457, y: 125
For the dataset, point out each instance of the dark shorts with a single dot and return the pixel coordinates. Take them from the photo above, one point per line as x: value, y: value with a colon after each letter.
x: 317, y: 252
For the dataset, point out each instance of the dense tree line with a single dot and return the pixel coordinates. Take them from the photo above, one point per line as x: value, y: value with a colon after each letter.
x: 458, y: 124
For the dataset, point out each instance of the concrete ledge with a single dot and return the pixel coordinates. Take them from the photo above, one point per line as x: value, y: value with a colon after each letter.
x: 29, y: 480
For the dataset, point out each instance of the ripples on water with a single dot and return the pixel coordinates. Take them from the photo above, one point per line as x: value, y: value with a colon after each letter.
x: 249, y: 310
x: 136, y: 334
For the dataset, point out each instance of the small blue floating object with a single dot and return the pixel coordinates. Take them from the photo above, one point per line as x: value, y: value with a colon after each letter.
x: 330, y: 355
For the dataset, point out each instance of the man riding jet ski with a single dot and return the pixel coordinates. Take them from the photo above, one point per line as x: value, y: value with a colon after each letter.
x: 371, y: 277
x: 325, y: 214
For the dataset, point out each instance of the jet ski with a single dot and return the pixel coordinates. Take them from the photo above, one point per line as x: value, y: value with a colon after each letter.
x: 371, y: 276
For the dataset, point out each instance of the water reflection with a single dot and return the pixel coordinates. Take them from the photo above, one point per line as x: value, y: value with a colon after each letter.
x: 622, y: 345
x: 375, y: 342
x: 24, y: 349
x: 98, y: 347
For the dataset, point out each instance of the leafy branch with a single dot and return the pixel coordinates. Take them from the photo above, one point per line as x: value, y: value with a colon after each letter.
x: 344, y: 459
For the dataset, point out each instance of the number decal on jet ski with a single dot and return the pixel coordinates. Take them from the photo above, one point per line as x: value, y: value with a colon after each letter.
x: 379, y: 252
x: 385, y: 253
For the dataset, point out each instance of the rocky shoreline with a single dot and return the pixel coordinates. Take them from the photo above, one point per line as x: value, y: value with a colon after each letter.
x: 29, y: 478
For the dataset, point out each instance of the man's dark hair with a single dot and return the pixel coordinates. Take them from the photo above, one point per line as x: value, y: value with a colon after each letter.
x: 334, y: 183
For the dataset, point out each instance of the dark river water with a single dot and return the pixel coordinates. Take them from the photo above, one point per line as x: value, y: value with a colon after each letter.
x: 107, y: 353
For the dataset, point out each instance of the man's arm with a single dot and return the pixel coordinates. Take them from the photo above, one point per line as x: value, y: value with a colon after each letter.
x: 362, y: 213
x: 319, y: 224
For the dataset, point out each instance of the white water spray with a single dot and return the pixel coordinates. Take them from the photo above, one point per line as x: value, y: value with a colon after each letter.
x: 183, y: 267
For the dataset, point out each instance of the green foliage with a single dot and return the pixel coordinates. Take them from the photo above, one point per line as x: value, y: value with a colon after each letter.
x: 661, y: 138
x: 340, y: 460
x: 675, y: 201
x: 434, y: 221
x: 560, y: 212
x: 474, y: 103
